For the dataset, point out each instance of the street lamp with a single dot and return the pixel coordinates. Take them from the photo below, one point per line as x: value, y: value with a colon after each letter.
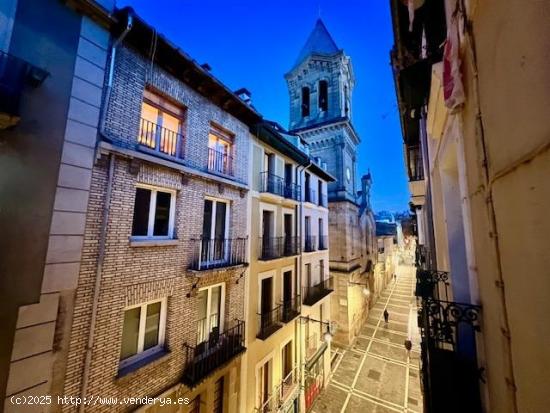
x: 327, y: 337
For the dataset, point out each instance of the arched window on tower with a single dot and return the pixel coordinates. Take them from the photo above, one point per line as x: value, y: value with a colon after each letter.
x: 323, y: 95
x: 346, y: 101
x: 305, y: 101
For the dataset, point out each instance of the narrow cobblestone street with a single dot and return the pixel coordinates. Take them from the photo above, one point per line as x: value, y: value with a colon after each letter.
x: 376, y: 375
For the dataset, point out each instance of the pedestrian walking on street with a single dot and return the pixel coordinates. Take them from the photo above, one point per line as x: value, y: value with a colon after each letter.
x: 408, y: 346
x: 386, y: 316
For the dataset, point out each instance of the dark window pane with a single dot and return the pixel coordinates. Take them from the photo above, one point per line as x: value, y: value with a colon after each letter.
x: 305, y: 101
x: 162, y: 214
x: 220, y: 220
x: 323, y: 95
x: 207, y: 220
x: 141, y: 211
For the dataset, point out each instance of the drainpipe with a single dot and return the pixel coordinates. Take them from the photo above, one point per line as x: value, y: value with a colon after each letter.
x: 107, y: 98
x: 103, y: 229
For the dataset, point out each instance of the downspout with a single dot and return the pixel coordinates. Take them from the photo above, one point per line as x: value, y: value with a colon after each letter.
x: 104, y: 221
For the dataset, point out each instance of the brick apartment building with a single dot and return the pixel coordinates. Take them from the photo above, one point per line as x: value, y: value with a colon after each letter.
x: 159, y: 306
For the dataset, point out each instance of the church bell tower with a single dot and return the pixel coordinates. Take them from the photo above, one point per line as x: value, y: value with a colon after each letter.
x: 320, y: 86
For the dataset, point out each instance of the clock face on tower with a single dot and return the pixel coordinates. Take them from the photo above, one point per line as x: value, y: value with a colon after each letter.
x: 348, y: 174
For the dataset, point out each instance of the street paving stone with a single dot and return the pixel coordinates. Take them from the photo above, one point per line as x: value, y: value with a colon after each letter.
x: 376, y: 375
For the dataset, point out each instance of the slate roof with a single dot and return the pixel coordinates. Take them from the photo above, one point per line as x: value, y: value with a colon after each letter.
x: 319, y: 42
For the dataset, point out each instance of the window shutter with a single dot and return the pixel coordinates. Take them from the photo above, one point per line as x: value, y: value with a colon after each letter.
x: 257, y: 162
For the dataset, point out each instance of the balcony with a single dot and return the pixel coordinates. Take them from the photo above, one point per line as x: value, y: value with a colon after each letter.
x: 310, y: 243
x: 160, y: 140
x: 211, y: 254
x: 269, y: 322
x: 323, y: 242
x: 292, y: 191
x: 291, y: 309
x: 15, y: 74
x: 219, y: 162
x: 203, y: 359
x: 450, y: 374
x: 276, y: 247
x: 432, y: 284
x: 283, y: 394
x: 310, y: 195
x: 272, y: 183
x: 317, y: 292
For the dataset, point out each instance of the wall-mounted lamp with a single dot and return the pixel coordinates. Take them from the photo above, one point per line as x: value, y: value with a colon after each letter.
x: 328, y: 333
x: 366, y: 290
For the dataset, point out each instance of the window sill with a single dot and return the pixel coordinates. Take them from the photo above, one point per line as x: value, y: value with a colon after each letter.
x: 153, y: 242
x: 157, y: 357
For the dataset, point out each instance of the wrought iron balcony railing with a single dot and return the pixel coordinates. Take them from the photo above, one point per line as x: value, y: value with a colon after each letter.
x: 291, y: 309
x: 272, y: 183
x: 204, y: 358
x: 159, y: 139
x: 450, y: 372
x: 275, y: 401
x: 310, y: 195
x: 310, y: 243
x: 313, y: 294
x: 219, y: 162
x: 292, y: 191
x: 217, y: 253
x: 432, y: 284
x: 269, y: 322
x: 277, y: 247
x: 323, y: 242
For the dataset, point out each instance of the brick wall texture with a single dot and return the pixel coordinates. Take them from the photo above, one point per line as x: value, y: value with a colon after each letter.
x: 133, y: 275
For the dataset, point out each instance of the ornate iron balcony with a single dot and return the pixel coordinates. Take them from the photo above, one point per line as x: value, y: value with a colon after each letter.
x: 269, y: 322
x: 313, y: 294
x: 277, y: 247
x: 217, y: 253
x: 204, y: 358
x: 450, y: 372
x: 432, y: 284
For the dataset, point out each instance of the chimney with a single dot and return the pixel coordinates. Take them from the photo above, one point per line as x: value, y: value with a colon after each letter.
x: 245, y: 95
x: 206, y: 67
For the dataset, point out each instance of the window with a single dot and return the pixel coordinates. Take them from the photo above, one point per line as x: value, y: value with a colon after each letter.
x: 211, y: 301
x: 153, y: 214
x: 322, y: 270
x: 161, y: 127
x: 143, y: 331
x: 218, y: 395
x: 219, y: 151
x: 323, y: 95
x: 305, y: 102
x: 215, y: 227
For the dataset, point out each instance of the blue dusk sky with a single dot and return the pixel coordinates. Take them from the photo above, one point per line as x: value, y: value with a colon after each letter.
x: 253, y: 43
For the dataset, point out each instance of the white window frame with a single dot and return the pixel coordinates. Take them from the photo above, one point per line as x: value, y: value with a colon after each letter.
x: 215, y: 201
x: 152, y: 207
x: 141, y: 354
x: 209, y: 303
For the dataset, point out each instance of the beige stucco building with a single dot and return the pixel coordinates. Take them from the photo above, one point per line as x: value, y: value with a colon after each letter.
x: 483, y: 191
x: 287, y: 360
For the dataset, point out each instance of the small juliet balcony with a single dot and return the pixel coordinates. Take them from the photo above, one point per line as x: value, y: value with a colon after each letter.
x: 272, y: 183
x: 315, y: 293
x: 206, y: 357
x: 291, y: 309
x: 310, y: 243
x: 219, y: 162
x: 269, y: 322
x: 323, y: 200
x: 160, y: 140
x: 292, y: 191
x: 271, y: 248
x: 209, y: 254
